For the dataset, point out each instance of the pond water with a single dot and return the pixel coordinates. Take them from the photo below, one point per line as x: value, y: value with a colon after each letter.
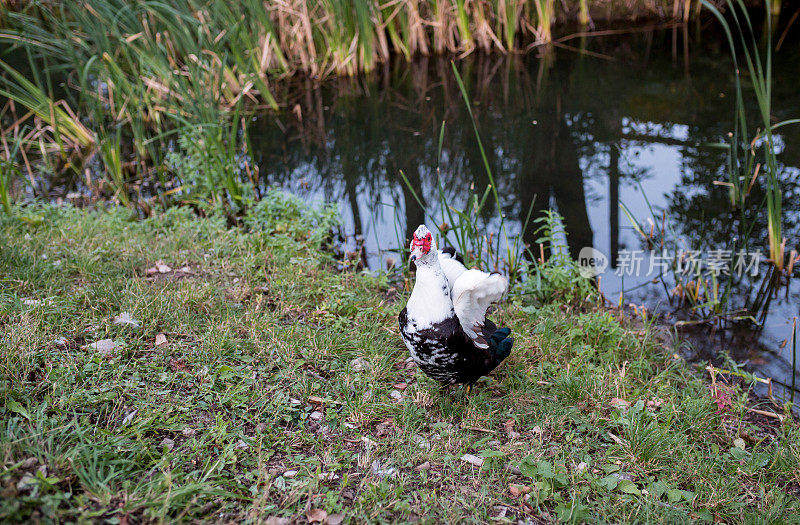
x: 580, y: 128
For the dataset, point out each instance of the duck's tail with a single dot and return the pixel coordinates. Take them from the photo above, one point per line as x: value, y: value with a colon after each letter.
x: 500, y: 343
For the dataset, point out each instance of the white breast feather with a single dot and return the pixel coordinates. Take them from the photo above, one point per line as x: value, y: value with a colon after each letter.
x: 473, y: 292
x: 429, y: 303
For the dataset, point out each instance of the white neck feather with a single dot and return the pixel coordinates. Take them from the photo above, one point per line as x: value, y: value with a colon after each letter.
x: 430, y: 300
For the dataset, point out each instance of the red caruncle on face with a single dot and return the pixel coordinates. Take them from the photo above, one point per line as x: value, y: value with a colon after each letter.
x: 423, y: 244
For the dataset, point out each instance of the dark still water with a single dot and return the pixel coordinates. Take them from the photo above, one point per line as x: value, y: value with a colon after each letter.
x: 627, y: 120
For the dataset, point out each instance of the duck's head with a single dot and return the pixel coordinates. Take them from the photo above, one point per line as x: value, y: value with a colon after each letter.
x: 423, y: 247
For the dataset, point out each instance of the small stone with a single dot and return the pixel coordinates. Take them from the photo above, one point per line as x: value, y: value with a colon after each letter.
x: 335, y: 519
x: 159, y: 267
x: 30, y: 462
x: 316, y: 415
x: 383, y: 471
x: 472, y: 460
x: 188, y: 432
x: 290, y: 474
x: 241, y: 445
x: 514, y: 469
x: 396, y: 395
x: 581, y: 466
x: 167, y: 442
x: 327, y: 476
x: 161, y: 340
x: 359, y: 364
x: 27, y: 482
x: 420, y: 441
x: 423, y: 466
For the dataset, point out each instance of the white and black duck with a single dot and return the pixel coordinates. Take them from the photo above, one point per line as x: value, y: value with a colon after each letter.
x: 444, y: 324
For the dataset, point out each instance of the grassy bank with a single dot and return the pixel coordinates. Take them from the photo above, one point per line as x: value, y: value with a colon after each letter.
x: 279, y: 388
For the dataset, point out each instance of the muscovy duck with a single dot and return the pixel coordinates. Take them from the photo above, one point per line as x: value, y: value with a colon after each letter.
x: 444, y: 324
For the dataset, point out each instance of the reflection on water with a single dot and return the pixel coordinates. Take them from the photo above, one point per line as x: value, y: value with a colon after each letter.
x: 578, y: 132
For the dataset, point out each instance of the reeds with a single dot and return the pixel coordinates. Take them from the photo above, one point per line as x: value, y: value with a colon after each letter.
x: 152, y: 70
x: 756, y: 156
x: 794, y: 356
x: 751, y: 164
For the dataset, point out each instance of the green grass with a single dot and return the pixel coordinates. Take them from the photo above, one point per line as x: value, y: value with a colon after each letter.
x: 277, y: 361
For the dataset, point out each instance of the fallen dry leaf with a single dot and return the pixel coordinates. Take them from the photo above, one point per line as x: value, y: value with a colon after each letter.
x: 518, y: 490
x: 423, y: 466
x: 401, y: 386
x: 618, y: 402
x: 179, y: 365
x: 316, y: 515
x: 616, y: 439
x: 161, y: 339
x: 275, y: 520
